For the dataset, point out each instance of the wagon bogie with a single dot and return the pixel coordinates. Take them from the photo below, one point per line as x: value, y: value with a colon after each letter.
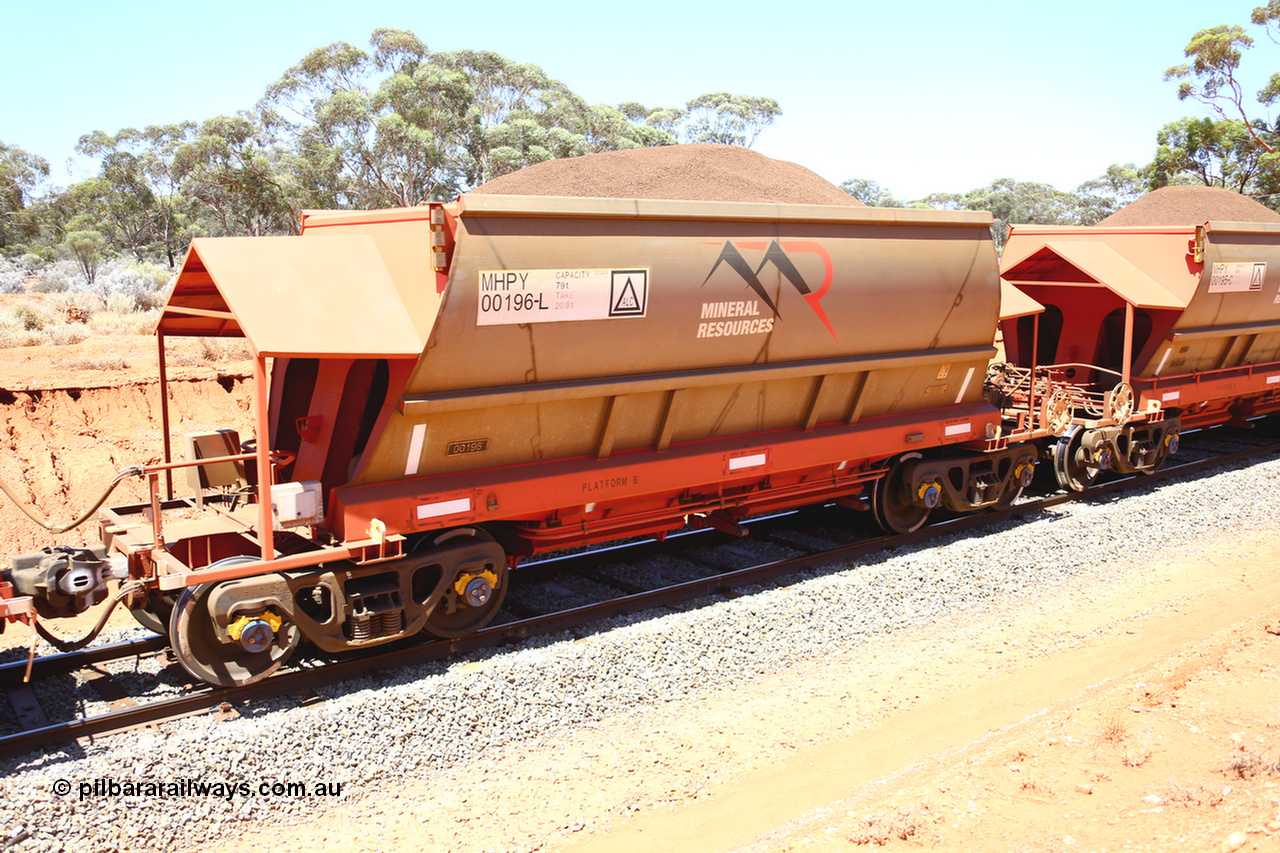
x: 443, y: 390
x: 961, y: 482
x: 222, y: 636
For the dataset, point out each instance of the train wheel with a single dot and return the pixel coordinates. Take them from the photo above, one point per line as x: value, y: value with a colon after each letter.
x: 1010, y: 494
x: 474, y: 596
x: 1168, y: 447
x: 259, y: 652
x: 154, y: 612
x: 1022, y: 477
x: 891, y: 503
x: 1072, y: 466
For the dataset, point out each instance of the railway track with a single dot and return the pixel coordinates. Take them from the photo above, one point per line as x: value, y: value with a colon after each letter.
x: 548, y: 596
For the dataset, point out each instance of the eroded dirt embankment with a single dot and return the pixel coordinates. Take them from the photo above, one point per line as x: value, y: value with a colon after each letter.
x: 61, y: 446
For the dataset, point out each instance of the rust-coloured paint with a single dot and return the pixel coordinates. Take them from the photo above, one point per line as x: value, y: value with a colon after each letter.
x: 584, y: 329
x: 593, y: 368
x: 1204, y: 304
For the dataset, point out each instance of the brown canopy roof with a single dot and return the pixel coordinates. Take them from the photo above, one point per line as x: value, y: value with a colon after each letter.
x: 1093, y: 263
x: 323, y: 296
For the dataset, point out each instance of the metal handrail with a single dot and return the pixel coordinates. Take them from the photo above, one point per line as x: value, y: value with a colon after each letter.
x: 1024, y: 387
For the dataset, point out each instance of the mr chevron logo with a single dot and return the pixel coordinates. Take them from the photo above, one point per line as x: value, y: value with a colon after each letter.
x: 776, y: 253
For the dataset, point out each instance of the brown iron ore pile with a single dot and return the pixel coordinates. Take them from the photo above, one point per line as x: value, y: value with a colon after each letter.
x: 1190, y: 206
x: 684, y: 172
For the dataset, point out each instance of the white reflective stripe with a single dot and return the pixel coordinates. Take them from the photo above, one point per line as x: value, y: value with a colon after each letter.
x: 1273, y: 379
x: 752, y: 461
x: 415, y: 449
x: 440, y: 508
x: 965, y: 386
x: 1170, y: 395
x: 958, y: 429
x: 1163, y: 359
x: 589, y: 508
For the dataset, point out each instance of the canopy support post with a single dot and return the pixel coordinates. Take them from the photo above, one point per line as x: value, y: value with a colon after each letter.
x: 1128, y: 342
x: 266, y: 536
x: 164, y: 418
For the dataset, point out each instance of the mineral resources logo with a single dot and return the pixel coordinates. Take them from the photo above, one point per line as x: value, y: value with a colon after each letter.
x: 775, y: 252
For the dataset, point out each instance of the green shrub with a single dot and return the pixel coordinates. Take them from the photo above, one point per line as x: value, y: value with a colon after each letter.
x: 121, y: 303
x: 158, y: 277
x: 32, y: 318
x: 136, y: 323
x: 66, y: 335
x: 21, y: 338
x: 50, y: 285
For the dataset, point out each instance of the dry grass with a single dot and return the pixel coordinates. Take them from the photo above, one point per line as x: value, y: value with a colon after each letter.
x: 214, y: 349
x: 1137, y: 755
x: 1251, y: 761
x: 1196, y: 795
x: 59, y: 316
x: 10, y: 338
x: 211, y: 351
x: 1035, y: 786
x: 135, y: 323
x: 1113, y: 726
x: 66, y: 335
x: 1113, y: 730
x: 72, y: 318
x: 903, y: 824
x: 101, y: 362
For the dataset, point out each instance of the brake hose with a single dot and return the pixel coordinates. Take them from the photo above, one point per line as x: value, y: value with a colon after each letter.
x: 126, y: 589
x: 131, y: 471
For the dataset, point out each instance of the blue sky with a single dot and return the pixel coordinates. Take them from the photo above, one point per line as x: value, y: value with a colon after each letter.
x: 920, y: 96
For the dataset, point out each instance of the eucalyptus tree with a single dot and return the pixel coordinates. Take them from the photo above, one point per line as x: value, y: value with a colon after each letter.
x: 399, y: 124
x: 728, y: 119
x: 1098, y: 198
x: 88, y: 248
x: 20, y: 175
x: 511, y: 101
x: 870, y: 193
x: 1215, y: 54
x: 1013, y: 202
x: 714, y: 117
x: 1214, y: 152
x: 146, y: 198
x: 78, y: 207
x: 126, y: 205
x: 664, y: 119
x: 237, y: 179
x: 1238, y: 149
x: 381, y: 129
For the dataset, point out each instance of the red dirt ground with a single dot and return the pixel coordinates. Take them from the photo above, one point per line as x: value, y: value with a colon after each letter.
x: 67, y: 426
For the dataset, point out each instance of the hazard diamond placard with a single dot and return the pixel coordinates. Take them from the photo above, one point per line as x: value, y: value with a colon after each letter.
x: 629, y: 294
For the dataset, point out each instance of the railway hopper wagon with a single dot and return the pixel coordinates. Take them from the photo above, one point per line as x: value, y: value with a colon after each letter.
x: 1144, y: 331
x: 443, y: 390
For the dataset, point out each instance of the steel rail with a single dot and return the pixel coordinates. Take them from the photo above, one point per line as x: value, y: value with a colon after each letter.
x: 409, y: 653
x: 63, y: 662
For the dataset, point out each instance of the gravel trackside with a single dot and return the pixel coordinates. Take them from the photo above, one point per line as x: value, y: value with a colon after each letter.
x: 429, y: 721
